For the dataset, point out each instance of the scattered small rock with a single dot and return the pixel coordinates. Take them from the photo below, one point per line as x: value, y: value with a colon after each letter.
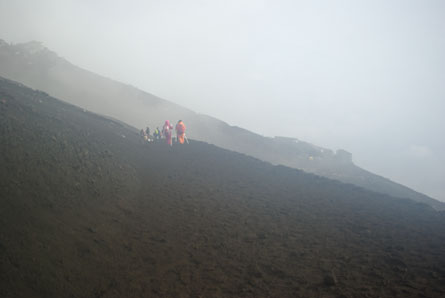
x: 330, y: 279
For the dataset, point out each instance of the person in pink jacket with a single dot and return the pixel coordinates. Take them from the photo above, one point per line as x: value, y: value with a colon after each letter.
x: 167, y: 132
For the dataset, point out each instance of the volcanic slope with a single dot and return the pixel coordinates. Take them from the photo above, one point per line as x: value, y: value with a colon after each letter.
x: 89, y: 210
x: 36, y: 66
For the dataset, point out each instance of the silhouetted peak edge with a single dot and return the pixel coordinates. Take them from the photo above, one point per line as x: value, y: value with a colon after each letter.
x: 30, y: 49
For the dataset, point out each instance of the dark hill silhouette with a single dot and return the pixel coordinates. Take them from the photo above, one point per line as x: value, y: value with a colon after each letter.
x: 38, y: 67
x: 88, y: 210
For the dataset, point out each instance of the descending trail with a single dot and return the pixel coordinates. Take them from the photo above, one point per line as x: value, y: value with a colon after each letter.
x: 89, y: 210
x: 42, y: 69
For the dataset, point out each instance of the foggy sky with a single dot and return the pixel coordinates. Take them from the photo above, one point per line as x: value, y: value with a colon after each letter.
x: 365, y: 76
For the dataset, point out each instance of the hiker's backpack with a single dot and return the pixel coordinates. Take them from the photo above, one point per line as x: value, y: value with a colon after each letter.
x: 180, y: 127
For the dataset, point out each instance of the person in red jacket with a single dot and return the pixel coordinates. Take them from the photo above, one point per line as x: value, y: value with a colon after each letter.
x: 180, y: 131
x: 167, y: 132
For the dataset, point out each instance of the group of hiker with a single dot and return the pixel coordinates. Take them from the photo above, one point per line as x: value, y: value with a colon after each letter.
x: 166, y: 133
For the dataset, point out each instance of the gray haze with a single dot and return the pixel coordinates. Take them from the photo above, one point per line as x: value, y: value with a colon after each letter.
x: 366, y: 76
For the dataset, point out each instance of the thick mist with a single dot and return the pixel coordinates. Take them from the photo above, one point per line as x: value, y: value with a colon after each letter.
x: 366, y: 77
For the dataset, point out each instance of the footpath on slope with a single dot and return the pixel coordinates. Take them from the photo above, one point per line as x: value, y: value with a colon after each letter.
x: 88, y: 210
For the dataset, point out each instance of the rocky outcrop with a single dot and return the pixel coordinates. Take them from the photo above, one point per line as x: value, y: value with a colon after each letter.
x: 343, y: 156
